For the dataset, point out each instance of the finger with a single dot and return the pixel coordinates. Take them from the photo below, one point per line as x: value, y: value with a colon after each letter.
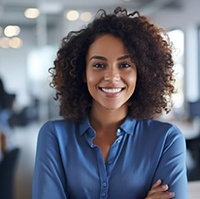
x: 157, y: 183
x: 171, y: 194
x: 164, y: 187
x: 158, y: 189
x: 157, y: 186
x: 160, y: 195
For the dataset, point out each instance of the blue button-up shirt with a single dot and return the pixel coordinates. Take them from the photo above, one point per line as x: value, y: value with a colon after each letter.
x: 69, y: 165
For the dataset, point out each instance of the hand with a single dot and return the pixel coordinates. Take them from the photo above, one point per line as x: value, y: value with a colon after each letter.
x: 159, y: 191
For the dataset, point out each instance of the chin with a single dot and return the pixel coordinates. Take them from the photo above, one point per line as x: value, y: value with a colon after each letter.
x: 113, y: 108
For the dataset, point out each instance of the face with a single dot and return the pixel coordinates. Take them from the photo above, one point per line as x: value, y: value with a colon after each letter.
x: 110, y: 73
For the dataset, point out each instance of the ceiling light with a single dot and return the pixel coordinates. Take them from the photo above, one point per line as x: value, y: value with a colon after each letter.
x: 72, y: 15
x: 11, y: 31
x: 32, y: 13
x: 86, y: 16
x: 4, y: 42
x: 15, y: 42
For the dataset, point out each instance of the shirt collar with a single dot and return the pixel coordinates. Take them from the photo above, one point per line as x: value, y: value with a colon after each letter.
x: 127, y: 126
x: 84, y: 125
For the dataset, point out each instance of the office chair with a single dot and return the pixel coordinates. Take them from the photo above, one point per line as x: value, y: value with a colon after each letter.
x: 7, y: 171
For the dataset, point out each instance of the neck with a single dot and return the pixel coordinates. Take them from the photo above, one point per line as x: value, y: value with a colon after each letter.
x: 103, y: 119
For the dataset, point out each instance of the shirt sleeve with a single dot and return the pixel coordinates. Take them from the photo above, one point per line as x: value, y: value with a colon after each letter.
x: 172, y: 166
x: 49, y: 178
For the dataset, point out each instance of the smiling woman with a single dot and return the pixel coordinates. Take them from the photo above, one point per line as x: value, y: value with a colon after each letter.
x: 112, y: 78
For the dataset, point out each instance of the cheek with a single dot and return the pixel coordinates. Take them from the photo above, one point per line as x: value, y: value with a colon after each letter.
x: 131, y: 79
x: 91, y: 81
x: 92, y: 77
x: 91, y: 85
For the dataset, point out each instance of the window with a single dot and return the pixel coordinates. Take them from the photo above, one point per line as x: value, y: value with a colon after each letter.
x: 177, y: 38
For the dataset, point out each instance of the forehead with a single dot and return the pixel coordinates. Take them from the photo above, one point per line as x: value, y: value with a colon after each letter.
x: 107, y: 45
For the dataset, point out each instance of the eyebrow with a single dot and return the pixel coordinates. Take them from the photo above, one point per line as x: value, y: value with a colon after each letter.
x: 98, y: 57
x: 124, y: 57
x: 105, y: 59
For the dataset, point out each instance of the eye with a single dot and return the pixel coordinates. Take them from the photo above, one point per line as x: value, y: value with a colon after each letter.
x: 125, y: 65
x: 98, y: 65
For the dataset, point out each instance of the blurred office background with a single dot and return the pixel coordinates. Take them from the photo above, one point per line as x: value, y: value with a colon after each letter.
x: 30, y: 34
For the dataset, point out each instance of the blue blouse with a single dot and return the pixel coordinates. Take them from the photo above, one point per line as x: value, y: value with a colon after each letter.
x: 69, y: 165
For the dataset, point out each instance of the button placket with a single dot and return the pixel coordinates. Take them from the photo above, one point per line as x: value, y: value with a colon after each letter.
x: 104, y: 189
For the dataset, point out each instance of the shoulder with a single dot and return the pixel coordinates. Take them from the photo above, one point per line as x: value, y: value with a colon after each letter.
x: 57, y: 124
x: 150, y: 127
x: 56, y: 131
x: 170, y: 133
x: 160, y: 137
x: 57, y: 127
x: 160, y: 130
x: 160, y: 126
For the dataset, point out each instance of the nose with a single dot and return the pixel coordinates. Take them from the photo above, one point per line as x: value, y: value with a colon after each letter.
x: 112, y: 75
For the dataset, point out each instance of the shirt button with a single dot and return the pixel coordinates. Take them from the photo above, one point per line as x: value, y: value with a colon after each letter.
x: 110, y: 162
x: 104, y: 184
x: 118, y: 132
x: 103, y: 194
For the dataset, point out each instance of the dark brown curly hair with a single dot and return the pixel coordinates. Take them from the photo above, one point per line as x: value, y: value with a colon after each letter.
x: 149, y: 47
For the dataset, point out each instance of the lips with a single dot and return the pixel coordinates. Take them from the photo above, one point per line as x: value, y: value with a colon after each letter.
x: 111, y: 90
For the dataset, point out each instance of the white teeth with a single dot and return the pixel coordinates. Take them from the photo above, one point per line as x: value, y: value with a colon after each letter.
x: 113, y: 90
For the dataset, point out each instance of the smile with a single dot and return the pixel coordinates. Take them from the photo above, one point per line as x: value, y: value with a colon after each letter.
x: 111, y: 90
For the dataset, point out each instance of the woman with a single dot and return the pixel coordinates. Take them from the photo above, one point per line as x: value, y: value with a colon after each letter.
x: 112, y: 77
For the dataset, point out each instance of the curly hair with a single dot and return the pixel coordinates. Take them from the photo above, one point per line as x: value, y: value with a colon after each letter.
x: 150, y: 48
